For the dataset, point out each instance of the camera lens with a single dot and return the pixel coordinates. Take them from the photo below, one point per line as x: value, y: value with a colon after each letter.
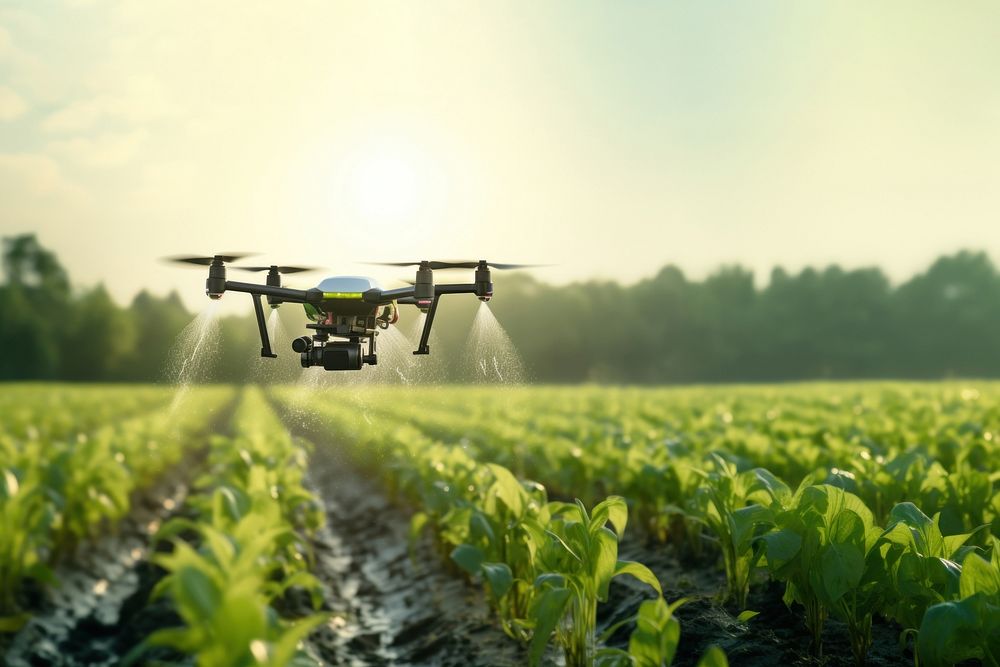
x: 302, y: 344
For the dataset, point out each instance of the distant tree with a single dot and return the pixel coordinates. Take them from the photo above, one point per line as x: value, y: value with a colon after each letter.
x: 947, y: 319
x: 99, y: 338
x: 28, y: 340
x: 27, y: 264
x: 33, y: 302
x: 157, y: 322
x: 829, y: 323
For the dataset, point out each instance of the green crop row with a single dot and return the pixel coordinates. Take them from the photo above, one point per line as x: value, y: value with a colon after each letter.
x: 544, y: 565
x: 243, y: 543
x: 56, y: 492
x: 47, y: 411
x: 715, y: 467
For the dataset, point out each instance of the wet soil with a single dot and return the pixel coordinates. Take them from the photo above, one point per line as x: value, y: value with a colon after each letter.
x: 393, y: 611
x: 775, y: 637
x: 388, y: 608
x: 98, y: 610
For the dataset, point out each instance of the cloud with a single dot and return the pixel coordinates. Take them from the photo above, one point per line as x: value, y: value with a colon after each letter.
x: 139, y: 101
x: 26, y: 176
x: 12, y: 105
x: 105, y: 150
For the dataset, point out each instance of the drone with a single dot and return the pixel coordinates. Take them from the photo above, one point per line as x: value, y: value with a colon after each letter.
x: 345, y: 312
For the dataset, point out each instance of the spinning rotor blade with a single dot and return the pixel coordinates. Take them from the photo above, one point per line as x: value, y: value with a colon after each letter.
x: 503, y: 267
x: 459, y: 264
x: 205, y: 261
x: 279, y: 269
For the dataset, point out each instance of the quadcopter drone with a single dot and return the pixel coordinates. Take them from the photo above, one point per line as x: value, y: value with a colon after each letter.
x: 346, y: 312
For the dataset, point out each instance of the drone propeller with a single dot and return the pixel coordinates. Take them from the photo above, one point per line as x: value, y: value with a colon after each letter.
x: 279, y: 269
x: 458, y: 264
x: 206, y: 261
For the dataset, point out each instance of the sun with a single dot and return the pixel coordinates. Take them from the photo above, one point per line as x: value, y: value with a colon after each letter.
x: 385, y: 186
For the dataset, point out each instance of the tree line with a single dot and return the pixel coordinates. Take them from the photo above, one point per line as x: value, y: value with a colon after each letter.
x: 814, y: 324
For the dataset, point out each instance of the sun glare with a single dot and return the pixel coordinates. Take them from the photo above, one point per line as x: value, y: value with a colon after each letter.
x: 385, y: 185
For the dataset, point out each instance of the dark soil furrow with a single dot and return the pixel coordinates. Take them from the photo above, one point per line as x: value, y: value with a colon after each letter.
x: 100, y: 607
x: 86, y: 618
x: 389, y: 609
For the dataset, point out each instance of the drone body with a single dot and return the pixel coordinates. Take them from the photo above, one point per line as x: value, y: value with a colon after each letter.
x: 346, y: 312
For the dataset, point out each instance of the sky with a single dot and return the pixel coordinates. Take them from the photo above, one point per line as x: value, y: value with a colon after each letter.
x: 606, y: 139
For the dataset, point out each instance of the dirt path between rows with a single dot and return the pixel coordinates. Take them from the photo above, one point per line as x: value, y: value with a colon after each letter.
x: 397, y: 612
x: 389, y: 609
x: 100, y: 609
x: 92, y: 616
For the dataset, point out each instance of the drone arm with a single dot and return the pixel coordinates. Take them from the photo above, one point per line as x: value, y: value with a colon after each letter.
x: 382, y: 297
x: 265, y: 343
x: 283, y: 293
x: 460, y: 288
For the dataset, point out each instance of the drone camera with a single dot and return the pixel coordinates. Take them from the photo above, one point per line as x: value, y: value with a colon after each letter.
x: 302, y: 344
x: 335, y: 356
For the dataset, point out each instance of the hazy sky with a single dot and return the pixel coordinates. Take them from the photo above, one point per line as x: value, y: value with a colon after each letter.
x: 606, y: 138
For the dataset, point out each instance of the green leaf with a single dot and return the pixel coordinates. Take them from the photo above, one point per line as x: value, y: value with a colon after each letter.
x: 949, y: 633
x: 927, y: 536
x: 468, y: 557
x: 499, y: 577
x: 195, y: 593
x: 613, y: 510
x: 640, y: 572
x: 285, y: 647
x: 182, y: 639
x: 612, y: 657
x: 743, y: 523
x: 841, y: 566
x: 654, y: 641
x: 714, y: 657
x: 13, y: 623
x: 777, y: 489
x: 507, y: 488
x: 547, y: 612
x: 979, y: 576
x: 780, y: 547
x: 746, y: 615
x: 604, y: 561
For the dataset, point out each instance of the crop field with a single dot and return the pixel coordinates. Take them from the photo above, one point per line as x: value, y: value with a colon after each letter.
x: 811, y: 524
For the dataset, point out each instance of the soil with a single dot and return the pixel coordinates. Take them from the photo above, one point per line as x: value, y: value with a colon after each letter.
x: 98, y: 611
x: 388, y: 607
x: 391, y: 610
x: 775, y: 637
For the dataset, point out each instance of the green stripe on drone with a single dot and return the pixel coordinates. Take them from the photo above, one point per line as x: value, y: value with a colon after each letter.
x: 341, y: 295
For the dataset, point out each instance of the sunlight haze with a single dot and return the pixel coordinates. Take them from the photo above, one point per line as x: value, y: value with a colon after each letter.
x: 607, y: 139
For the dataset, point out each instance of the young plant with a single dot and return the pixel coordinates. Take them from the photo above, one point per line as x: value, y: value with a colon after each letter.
x: 654, y: 641
x: 578, y: 563
x: 738, y: 508
x: 657, y: 633
x: 967, y: 629
x: 922, y: 564
x: 821, y: 550
x: 504, y: 533
x: 23, y: 542
x: 222, y: 593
